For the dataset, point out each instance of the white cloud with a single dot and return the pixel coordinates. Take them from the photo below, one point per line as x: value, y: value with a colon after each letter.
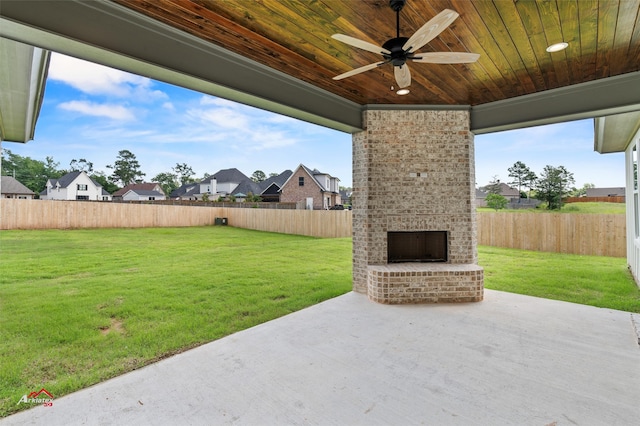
x: 94, y: 79
x: 115, y: 112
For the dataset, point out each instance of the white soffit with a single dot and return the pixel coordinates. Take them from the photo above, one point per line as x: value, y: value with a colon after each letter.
x: 613, y: 133
x: 23, y: 71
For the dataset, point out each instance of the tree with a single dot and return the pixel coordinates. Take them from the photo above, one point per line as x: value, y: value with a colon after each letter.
x: 81, y: 165
x: 251, y: 197
x: 31, y: 173
x: 273, y: 174
x: 575, y: 192
x: 258, y: 176
x: 126, y: 168
x: 107, y: 185
x: 168, y: 182
x: 522, y: 176
x: 496, y: 201
x: 184, y: 173
x: 494, y: 186
x: 553, y: 185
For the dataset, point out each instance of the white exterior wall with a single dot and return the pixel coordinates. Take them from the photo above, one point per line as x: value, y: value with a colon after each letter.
x: 227, y: 187
x: 93, y: 192
x: 130, y: 196
x: 210, y: 187
x: 633, y: 206
x: 56, y: 193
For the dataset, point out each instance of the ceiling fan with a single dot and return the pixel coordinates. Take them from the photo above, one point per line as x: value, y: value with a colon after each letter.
x: 399, y: 50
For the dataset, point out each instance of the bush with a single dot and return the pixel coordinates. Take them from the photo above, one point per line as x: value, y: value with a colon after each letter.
x: 496, y: 201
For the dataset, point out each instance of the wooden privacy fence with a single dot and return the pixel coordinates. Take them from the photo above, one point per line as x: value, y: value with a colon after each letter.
x: 47, y: 214
x: 586, y: 234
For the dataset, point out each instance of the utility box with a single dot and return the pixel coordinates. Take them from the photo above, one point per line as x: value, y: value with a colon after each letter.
x: 221, y: 221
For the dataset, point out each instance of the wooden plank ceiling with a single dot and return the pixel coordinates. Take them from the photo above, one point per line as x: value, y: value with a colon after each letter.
x: 294, y: 37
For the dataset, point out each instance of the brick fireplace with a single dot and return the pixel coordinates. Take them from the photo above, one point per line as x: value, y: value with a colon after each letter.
x: 414, y: 227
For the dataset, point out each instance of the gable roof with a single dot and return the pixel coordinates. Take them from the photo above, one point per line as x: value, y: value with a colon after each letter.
x: 505, y: 191
x: 68, y: 179
x: 606, y: 192
x: 146, y: 186
x: 188, y: 189
x: 65, y: 180
x: 10, y: 185
x: 145, y: 192
x: 227, y: 175
x: 246, y: 187
x: 278, y: 180
x: 312, y: 174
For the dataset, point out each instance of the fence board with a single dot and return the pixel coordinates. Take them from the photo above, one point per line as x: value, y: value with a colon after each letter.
x: 586, y: 234
x: 48, y: 214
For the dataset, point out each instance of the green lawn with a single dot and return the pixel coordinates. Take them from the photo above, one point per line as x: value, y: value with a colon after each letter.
x: 80, y: 306
x: 590, y: 280
x: 586, y: 208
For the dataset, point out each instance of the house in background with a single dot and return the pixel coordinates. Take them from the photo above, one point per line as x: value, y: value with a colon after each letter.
x: 12, y: 188
x: 143, y: 189
x: 143, y: 195
x: 346, y: 197
x: 74, y: 186
x: 317, y: 190
x: 505, y: 190
x: 270, y: 188
x: 188, y: 191
x: 231, y: 183
x: 606, y: 192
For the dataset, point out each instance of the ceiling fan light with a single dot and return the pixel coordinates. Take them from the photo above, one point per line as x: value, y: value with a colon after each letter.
x: 403, y: 92
x: 556, y: 47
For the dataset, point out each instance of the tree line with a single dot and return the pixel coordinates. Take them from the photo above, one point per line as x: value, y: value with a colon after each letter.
x: 551, y: 186
x: 125, y: 170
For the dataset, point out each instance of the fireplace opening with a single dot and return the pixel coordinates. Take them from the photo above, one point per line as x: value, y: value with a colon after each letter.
x: 420, y: 246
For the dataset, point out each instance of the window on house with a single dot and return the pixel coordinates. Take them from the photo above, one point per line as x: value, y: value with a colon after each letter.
x: 82, y: 198
x: 82, y: 187
x: 301, y: 181
x: 152, y: 198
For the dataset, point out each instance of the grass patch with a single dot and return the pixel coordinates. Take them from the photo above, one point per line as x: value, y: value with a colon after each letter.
x: 581, y: 208
x: 78, y: 307
x: 589, y: 280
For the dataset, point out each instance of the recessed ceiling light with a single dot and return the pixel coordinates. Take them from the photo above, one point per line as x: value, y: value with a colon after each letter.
x: 557, y: 47
x: 403, y: 92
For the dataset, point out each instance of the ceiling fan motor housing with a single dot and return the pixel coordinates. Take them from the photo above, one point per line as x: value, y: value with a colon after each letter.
x: 398, y: 56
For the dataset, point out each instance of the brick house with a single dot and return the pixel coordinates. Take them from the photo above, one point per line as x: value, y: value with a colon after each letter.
x: 311, y: 188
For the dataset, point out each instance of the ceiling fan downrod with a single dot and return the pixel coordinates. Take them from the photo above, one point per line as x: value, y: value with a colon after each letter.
x: 396, y: 6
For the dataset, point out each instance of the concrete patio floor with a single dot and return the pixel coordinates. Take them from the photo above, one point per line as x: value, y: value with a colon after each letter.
x: 509, y: 360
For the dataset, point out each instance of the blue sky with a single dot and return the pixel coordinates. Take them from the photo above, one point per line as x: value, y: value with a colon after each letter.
x: 92, y: 112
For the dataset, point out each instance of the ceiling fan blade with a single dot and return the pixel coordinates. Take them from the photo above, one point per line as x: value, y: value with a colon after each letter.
x: 446, y: 57
x: 360, y: 44
x: 358, y: 70
x: 403, y: 75
x: 430, y: 30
